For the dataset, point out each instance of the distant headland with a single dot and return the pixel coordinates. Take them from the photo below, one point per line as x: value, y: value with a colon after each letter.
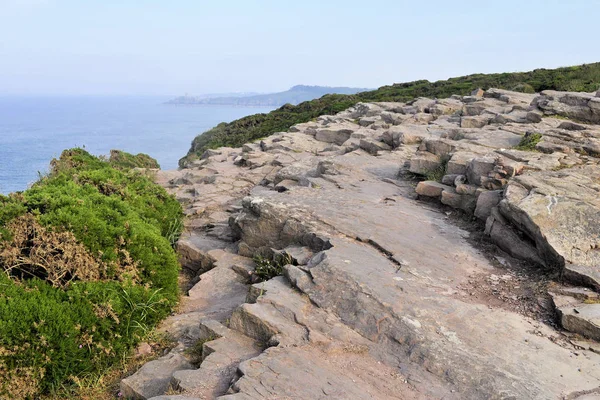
x: 294, y: 95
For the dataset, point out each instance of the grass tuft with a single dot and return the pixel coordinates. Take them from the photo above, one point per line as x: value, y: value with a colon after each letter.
x: 529, y: 141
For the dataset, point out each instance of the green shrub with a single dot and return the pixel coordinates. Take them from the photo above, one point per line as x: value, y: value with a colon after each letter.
x: 122, y: 159
x: 88, y: 267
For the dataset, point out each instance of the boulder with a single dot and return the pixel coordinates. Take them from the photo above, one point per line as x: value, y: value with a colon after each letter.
x: 392, y: 118
x: 424, y: 162
x: 449, y: 179
x: 405, y: 134
x: 457, y: 165
x: 422, y: 104
x: 463, y: 202
x: 558, y: 210
x: 467, y: 189
x: 337, y: 136
x: 476, y: 121
x: 486, y: 201
x: 373, y: 146
x: 509, y: 240
x: 366, y: 121
x: 480, y: 167
x: 577, y: 316
x: 431, y: 188
x: 578, y: 106
x: 154, y: 378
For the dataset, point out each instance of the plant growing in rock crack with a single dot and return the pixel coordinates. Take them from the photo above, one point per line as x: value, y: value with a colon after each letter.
x: 195, y: 350
x: 174, y: 231
x: 437, y: 173
x: 270, y: 267
x: 529, y: 141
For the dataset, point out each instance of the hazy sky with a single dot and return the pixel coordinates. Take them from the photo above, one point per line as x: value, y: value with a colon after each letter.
x: 175, y: 46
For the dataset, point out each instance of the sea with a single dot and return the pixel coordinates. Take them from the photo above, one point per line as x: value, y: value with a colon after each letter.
x: 33, y: 130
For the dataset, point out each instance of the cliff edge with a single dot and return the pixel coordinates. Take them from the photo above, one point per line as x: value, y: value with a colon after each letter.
x: 439, y: 248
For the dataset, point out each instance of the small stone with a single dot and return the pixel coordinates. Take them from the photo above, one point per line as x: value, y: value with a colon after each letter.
x: 449, y: 179
x: 143, y: 349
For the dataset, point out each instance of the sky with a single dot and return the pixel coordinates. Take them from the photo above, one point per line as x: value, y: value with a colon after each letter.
x: 152, y: 47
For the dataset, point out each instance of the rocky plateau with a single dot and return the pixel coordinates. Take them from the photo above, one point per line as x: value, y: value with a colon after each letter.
x: 431, y: 255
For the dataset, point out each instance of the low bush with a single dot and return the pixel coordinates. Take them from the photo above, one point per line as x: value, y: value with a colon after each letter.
x: 122, y: 159
x: 86, y: 270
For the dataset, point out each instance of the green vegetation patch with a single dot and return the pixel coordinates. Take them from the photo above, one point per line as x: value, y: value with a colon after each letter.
x: 270, y: 267
x: 87, y: 268
x: 438, y: 173
x: 122, y: 159
x: 529, y: 141
x: 583, y: 78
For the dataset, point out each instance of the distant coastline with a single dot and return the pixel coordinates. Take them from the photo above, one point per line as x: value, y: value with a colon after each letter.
x: 294, y: 95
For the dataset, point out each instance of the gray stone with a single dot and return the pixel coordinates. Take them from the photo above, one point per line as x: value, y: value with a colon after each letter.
x: 337, y: 136
x: 154, y: 378
x: 457, y: 165
x: 571, y: 126
x: 509, y: 240
x: 366, y: 121
x: 405, y: 134
x: 577, y: 317
x: 471, y: 190
x: 480, y: 167
x: 424, y: 162
x: 578, y: 106
x: 389, y: 290
x: 557, y: 210
x: 534, y: 117
x: 477, y: 121
x: 463, y: 202
x: 373, y: 146
x: 486, y: 201
x: 449, y: 179
x: 193, y: 251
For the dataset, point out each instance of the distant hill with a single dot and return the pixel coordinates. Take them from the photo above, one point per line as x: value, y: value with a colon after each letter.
x: 295, y: 95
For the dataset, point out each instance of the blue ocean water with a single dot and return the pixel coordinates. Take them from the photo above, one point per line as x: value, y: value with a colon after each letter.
x: 33, y: 130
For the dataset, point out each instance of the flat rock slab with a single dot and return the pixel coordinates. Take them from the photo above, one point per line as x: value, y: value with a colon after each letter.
x: 578, y: 317
x: 154, y: 378
x: 175, y: 397
x: 431, y: 188
x: 416, y: 305
x: 312, y: 372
